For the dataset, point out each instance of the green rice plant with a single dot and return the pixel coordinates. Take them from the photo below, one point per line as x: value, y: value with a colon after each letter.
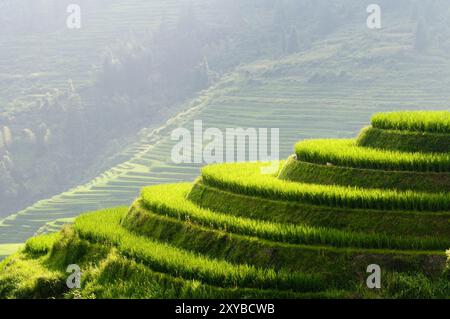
x: 171, y: 200
x: 104, y: 227
x: 299, y: 171
x: 42, y: 244
x: 246, y: 178
x: 24, y: 278
x: 404, y: 141
x: 399, y: 223
x: 422, y: 121
x: 119, y: 277
x: 339, y: 264
x: 345, y: 152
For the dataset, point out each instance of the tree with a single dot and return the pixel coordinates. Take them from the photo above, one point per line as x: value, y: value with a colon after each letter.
x: 283, y: 41
x: 415, y: 12
x: 327, y: 19
x: 71, y: 88
x: 292, y: 42
x: 109, y: 72
x: 2, y: 144
x: 7, y: 136
x: 30, y: 136
x: 8, y: 162
x: 279, y: 15
x: 187, y: 21
x: 5, y: 181
x: 421, y: 37
x: 47, y: 137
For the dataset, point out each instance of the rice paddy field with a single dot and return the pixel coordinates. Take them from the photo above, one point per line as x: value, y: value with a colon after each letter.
x: 434, y: 122
x: 229, y: 231
x: 270, y: 93
x: 345, y: 152
x: 259, y: 95
x: 239, y: 232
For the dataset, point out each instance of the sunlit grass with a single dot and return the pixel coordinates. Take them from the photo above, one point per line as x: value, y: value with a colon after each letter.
x: 42, y: 244
x: 104, y: 226
x: 345, y: 152
x: 422, y: 121
x: 171, y: 200
x: 246, y: 178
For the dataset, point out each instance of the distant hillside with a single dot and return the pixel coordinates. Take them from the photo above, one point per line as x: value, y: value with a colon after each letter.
x: 41, y: 43
x: 54, y: 82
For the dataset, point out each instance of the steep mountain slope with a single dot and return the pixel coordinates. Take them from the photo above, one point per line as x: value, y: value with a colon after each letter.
x: 329, y: 90
x: 238, y: 232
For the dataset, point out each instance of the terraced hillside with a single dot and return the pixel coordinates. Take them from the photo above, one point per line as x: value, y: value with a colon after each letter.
x: 328, y: 90
x: 280, y: 94
x: 237, y: 232
x: 57, y: 53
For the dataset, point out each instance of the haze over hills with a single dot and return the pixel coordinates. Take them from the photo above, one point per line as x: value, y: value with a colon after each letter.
x: 49, y: 84
x: 327, y: 87
x: 37, y: 39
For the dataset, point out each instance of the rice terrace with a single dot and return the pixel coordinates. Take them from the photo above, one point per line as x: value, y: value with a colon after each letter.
x: 310, y: 230
x: 187, y: 152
